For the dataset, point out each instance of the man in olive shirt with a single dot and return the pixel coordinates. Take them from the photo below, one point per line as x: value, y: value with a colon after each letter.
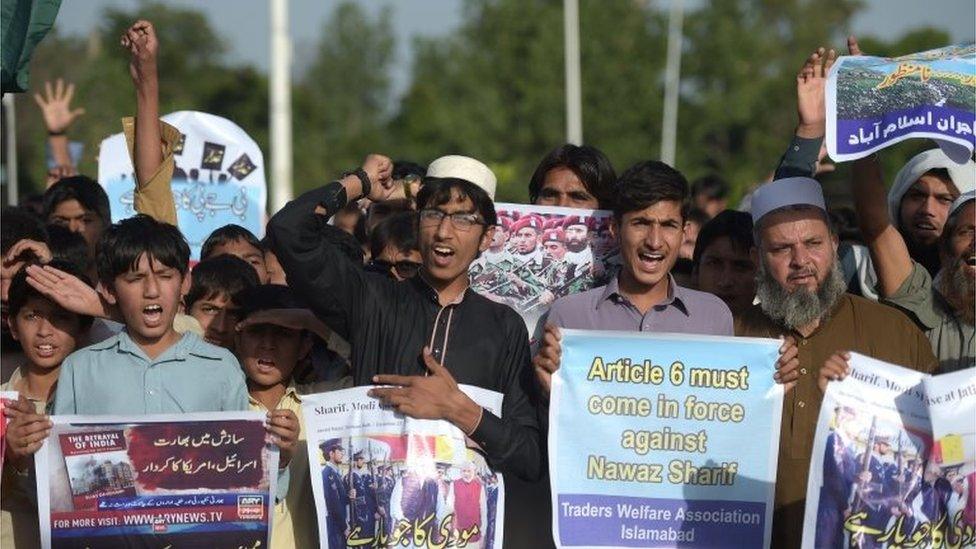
x: 801, y: 293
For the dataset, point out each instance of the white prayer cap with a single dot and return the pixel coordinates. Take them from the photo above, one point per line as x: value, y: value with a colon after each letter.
x: 466, y: 168
x: 789, y: 191
x: 963, y: 177
x: 963, y: 198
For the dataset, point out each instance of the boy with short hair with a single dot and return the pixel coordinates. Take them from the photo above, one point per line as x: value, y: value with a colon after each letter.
x: 236, y: 240
x: 215, y: 280
x: 47, y: 333
x: 16, y: 225
x: 142, y: 265
x: 272, y: 338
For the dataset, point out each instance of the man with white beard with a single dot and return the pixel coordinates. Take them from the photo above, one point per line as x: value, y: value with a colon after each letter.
x: 801, y: 293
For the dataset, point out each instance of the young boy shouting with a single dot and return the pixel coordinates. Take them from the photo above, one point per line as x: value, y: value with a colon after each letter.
x: 273, y: 336
x: 148, y: 368
x: 47, y: 333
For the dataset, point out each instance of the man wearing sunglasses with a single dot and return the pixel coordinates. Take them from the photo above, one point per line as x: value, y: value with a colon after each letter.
x: 426, y: 334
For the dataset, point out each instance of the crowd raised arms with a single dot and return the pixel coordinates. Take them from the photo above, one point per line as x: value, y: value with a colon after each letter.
x: 368, y: 280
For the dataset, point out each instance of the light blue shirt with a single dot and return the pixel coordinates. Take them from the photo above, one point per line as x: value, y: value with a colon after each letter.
x: 116, y: 377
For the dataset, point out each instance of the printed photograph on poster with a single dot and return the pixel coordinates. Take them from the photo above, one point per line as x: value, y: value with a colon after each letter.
x: 197, y: 480
x: 893, y: 460
x: 875, y: 102
x: 541, y: 253
x: 383, y: 480
x: 389, y: 487
x: 218, y: 178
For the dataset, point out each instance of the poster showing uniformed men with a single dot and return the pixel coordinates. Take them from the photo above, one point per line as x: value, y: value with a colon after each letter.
x: 383, y: 480
x: 894, y: 461
x: 541, y: 253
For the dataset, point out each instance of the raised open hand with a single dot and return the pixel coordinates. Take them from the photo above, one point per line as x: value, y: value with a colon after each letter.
x: 55, y: 105
x: 811, y: 85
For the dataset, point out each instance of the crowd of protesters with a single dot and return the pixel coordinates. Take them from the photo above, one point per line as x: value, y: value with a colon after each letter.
x: 365, y: 281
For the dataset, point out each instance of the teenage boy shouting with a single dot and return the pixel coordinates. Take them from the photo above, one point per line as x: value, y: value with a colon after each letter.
x: 428, y: 333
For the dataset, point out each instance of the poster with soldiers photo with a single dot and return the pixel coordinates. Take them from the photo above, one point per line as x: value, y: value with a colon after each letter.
x: 894, y: 460
x: 218, y: 177
x: 541, y: 253
x: 875, y: 102
x: 381, y: 479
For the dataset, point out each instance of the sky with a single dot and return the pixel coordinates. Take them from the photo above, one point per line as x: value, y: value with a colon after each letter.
x: 249, y: 43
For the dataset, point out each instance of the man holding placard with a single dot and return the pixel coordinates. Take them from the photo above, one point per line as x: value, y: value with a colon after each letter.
x: 802, y: 294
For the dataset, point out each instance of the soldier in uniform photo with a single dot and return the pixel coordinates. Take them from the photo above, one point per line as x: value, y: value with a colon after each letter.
x: 364, y: 516
x: 336, y: 494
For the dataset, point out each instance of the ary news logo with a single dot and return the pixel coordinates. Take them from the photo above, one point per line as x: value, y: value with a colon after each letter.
x: 250, y: 507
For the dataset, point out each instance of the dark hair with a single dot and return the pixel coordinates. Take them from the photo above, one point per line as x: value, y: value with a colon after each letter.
x: 82, y: 188
x: 712, y: 186
x: 647, y: 183
x: 21, y: 291
x: 224, y: 273
x: 123, y: 243
x: 438, y: 191
x: 227, y: 234
x: 588, y: 163
x: 261, y: 297
x: 378, y: 211
x: 733, y: 224
x: 403, y: 168
x: 16, y: 224
x: 70, y: 247
x: 399, y: 229
x: 697, y: 215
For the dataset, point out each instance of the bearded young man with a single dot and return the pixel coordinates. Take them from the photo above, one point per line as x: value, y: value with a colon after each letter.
x: 801, y: 293
x: 426, y: 334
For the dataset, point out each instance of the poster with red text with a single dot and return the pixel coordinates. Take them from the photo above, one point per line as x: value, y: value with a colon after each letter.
x: 188, y: 480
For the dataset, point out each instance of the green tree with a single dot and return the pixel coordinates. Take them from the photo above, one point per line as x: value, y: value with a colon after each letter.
x: 495, y: 88
x: 341, y: 102
x: 738, y: 100
x: 193, y: 76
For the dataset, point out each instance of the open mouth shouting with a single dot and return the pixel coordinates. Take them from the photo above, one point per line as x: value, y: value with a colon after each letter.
x: 266, y: 365
x: 650, y: 261
x: 442, y: 255
x: 152, y: 315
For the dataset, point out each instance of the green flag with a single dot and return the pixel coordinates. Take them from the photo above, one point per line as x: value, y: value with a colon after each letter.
x: 25, y: 23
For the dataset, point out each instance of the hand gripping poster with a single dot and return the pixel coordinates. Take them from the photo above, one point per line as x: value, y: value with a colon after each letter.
x: 381, y: 479
x: 541, y: 253
x: 5, y: 397
x: 663, y: 440
x: 875, y: 102
x: 218, y: 180
x: 894, y: 460
x: 190, y: 480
